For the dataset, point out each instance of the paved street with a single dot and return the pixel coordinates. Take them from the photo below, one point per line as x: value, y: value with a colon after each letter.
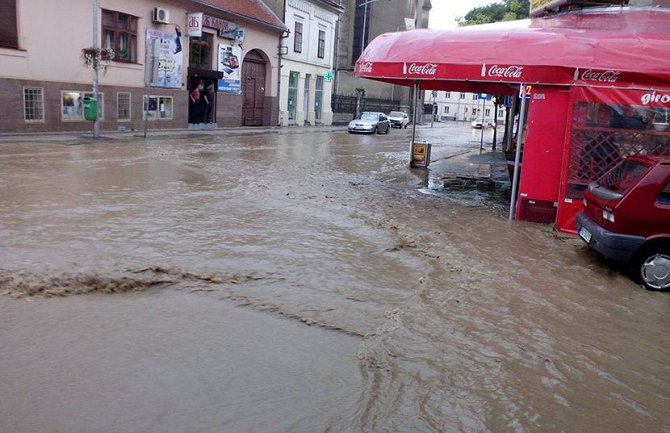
x: 305, y: 280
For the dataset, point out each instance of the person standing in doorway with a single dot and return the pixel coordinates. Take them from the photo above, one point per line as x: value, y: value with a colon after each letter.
x: 207, y: 99
x: 196, y: 103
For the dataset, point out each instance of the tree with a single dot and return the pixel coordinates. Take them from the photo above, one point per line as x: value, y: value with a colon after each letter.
x: 506, y: 10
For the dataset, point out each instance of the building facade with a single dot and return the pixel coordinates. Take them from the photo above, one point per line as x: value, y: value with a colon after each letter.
x: 306, y: 72
x: 361, y: 23
x: 153, y: 70
x: 462, y: 106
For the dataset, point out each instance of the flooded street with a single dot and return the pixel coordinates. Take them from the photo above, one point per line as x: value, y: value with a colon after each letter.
x: 304, y: 281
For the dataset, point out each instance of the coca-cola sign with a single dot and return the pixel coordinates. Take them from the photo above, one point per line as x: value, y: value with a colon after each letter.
x: 425, y: 69
x: 503, y: 71
x: 366, y: 68
x: 599, y: 76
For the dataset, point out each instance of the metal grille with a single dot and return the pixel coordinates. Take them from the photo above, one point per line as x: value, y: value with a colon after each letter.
x: 33, y: 104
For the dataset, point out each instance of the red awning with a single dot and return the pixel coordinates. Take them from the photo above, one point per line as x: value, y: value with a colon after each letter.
x: 612, y: 47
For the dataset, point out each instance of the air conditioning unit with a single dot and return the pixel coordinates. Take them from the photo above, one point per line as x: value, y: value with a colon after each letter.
x: 161, y: 15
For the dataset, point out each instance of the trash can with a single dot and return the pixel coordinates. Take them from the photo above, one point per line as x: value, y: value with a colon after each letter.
x: 90, y: 108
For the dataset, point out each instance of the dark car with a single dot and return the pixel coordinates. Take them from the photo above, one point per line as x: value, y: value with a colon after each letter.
x: 626, y: 218
x: 370, y: 122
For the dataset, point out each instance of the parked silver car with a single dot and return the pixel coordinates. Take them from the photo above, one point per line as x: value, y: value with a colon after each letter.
x: 370, y: 122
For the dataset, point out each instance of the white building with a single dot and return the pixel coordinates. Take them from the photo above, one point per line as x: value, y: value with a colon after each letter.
x: 307, y: 62
x: 463, y: 106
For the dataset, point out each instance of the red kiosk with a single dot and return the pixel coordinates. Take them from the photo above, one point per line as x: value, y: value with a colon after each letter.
x: 598, y: 81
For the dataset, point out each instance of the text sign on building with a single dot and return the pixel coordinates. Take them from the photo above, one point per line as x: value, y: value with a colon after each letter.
x: 229, y: 64
x: 194, y: 25
x: 222, y: 26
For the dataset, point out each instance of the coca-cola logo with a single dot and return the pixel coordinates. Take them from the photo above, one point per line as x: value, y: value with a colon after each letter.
x: 427, y: 69
x: 366, y: 68
x: 506, y: 71
x: 601, y: 77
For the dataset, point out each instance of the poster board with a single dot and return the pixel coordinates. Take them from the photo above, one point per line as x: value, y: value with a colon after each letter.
x: 230, y: 64
x: 165, y: 61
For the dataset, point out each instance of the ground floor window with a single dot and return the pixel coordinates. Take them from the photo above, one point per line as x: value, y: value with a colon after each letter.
x: 72, y: 104
x: 33, y: 104
x: 292, y: 95
x: 123, y: 105
x: 158, y: 107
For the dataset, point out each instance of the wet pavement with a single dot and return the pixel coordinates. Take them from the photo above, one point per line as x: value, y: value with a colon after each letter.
x: 304, y: 280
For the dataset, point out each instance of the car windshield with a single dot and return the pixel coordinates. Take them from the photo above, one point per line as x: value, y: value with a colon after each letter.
x: 396, y: 114
x: 369, y: 116
x: 623, y: 177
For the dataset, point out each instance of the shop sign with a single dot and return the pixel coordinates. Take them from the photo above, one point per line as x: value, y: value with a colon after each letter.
x: 229, y: 65
x: 166, y: 65
x: 328, y: 76
x: 222, y: 26
x: 420, y: 155
x: 194, y: 24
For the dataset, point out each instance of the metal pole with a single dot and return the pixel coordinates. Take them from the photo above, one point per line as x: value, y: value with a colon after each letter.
x: 481, y: 139
x: 495, y: 124
x: 416, y: 97
x: 365, y: 21
x: 96, y: 65
x: 517, y: 157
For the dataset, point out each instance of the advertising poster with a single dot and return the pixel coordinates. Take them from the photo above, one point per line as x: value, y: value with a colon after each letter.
x: 230, y: 63
x: 165, y: 59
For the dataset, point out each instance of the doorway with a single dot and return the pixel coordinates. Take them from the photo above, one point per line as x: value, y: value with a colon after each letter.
x: 253, y: 89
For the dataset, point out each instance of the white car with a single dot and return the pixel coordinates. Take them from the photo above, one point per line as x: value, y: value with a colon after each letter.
x: 398, y: 119
x: 479, y: 124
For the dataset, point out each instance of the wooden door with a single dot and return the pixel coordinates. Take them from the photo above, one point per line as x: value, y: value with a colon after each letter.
x: 253, y: 90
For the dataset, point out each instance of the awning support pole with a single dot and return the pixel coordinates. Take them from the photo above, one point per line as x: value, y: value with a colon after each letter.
x: 517, y: 156
x: 416, y: 102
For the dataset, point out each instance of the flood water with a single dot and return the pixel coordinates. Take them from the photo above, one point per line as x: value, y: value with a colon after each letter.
x: 304, y: 282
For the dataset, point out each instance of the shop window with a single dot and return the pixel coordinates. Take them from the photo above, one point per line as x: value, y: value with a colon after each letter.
x: 33, y: 104
x: 322, y: 44
x: 123, y: 100
x: 297, y: 37
x: 9, y: 37
x: 158, y: 107
x: 119, y: 32
x: 200, y: 52
x: 72, y: 105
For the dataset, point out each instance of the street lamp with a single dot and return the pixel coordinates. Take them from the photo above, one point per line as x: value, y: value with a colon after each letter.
x: 365, y: 21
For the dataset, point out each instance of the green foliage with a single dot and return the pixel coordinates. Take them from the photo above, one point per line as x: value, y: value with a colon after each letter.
x: 506, y: 10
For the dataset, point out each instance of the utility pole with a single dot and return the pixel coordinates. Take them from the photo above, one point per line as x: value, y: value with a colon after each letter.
x: 96, y: 65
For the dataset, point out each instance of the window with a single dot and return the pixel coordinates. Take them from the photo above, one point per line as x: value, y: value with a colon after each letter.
x: 487, y: 112
x: 501, y: 113
x: 361, y: 34
x: 462, y: 95
x: 474, y: 97
x: 297, y: 38
x: 200, y: 52
x: 322, y: 44
x: 292, y: 95
x: 318, y: 97
x: 474, y: 111
x: 119, y: 32
x: 447, y: 95
x: 123, y: 106
x: 159, y: 107
x: 33, y: 104
x: 446, y: 110
x: 9, y: 35
x: 72, y: 104
x: 664, y: 196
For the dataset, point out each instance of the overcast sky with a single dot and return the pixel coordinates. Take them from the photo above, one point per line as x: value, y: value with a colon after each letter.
x: 444, y: 12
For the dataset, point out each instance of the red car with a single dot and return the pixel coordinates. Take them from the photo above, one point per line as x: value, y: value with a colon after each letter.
x: 627, y: 218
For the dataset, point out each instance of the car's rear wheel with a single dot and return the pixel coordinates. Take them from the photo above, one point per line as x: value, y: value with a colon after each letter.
x: 652, y: 268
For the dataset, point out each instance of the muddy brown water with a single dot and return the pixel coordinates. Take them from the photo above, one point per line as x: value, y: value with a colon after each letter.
x: 286, y: 282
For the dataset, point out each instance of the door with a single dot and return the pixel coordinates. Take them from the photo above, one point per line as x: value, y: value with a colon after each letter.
x: 253, y: 90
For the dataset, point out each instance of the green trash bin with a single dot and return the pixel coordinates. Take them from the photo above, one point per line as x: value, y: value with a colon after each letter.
x: 90, y: 109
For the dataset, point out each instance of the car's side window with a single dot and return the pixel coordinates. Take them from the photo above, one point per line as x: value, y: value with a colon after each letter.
x: 664, y: 195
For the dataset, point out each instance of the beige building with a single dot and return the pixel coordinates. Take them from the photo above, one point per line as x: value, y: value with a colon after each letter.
x: 44, y: 81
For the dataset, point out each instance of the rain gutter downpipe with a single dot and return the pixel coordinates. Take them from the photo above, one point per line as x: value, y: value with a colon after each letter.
x: 517, y: 156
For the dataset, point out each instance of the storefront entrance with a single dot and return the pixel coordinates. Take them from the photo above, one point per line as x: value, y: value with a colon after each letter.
x: 253, y: 89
